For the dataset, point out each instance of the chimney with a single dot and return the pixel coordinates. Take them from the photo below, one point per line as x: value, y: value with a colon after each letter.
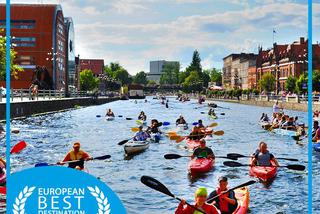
x: 301, y: 40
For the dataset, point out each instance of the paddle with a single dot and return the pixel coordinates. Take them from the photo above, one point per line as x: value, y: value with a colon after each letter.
x: 178, y: 138
x: 18, y: 147
x: 3, y: 190
x: 297, y: 138
x: 244, y: 156
x: 128, y: 118
x: 104, y: 157
x: 124, y: 141
x: 237, y: 164
x: 98, y: 115
x: 222, y: 107
x: 158, y: 186
x: 176, y: 156
x: 206, y: 113
x: 120, y: 115
x: 210, y: 200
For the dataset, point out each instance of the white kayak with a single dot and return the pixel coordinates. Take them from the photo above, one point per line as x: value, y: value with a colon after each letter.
x: 108, y: 118
x: 134, y: 147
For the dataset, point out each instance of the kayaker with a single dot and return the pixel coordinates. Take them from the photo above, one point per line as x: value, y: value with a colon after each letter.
x: 196, y: 133
x: 110, y: 113
x: 202, y: 151
x: 76, y: 154
x: 200, y: 202
x: 262, y: 156
x: 154, y: 128
x: 200, y: 124
x: 142, y: 116
x: 226, y: 203
x: 289, y: 124
x: 276, y: 108
x: 141, y: 135
x: 315, y: 131
x: 211, y: 112
x: 180, y: 120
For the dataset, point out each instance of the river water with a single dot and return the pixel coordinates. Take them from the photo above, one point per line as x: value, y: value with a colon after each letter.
x: 50, y: 137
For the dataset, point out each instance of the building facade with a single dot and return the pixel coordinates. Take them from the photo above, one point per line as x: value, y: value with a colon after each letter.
x: 38, y: 36
x: 156, y: 69
x: 71, y: 74
x: 95, y: 65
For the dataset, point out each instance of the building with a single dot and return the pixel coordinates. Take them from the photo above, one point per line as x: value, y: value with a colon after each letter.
x: 252, y: 77
x: 156, y: 69
x: 136, y: 91
x: 285, y: 60
x: 95, y: 65
x: 39, y: 37
x: 235, y: 70
x: 71, y: 74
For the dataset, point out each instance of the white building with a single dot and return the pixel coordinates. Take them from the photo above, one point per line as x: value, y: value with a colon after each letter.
x: 156, y: 68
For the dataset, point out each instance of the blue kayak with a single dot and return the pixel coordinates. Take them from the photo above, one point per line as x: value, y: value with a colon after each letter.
x: 316, y: 147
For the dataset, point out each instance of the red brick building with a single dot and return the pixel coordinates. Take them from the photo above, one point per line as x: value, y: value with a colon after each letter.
x: 252, y: 77
x: 39, y: 36
x: 95, y: 65
x: 286, y: 60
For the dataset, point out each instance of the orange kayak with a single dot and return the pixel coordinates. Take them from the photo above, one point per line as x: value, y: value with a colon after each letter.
x: 242, y: 195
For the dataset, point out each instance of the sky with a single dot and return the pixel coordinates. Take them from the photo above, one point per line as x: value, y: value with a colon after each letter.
x: 135, y: 32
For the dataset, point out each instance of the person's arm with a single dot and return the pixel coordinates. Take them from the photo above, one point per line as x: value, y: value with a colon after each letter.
x: 210, y: 153
x: 274, y: 159
x: 86, y: 156
x: 181, y: 209
x: 66, y: 158
x: 211, y: 195
x: 229, y: 198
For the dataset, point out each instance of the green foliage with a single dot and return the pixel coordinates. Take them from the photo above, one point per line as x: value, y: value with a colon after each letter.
x: 152, y: 82
x: 316, y: 80
x: 290, y: 84
x: 170, y: 73
x: 117, y: 72
x: 87, y: 80
x: 245, y: 91
x: 255, y: 91
x: 215, y: 76
x: 303, y: 78
x: 14, y: 68
x: 182, y: 77
x: 195, y: 64
x: 140, y: 78
x: 267, y: 82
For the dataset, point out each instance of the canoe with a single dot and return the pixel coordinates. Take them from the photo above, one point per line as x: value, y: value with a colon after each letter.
x: 192, y: 144
x: 182, y: 127
x: 200, y: 165
x: 108, y: 118
x: 264, y: 173
x: 155, y: 137
x: 134, y: 147
x: 242, y: 195
x: 285, y: 132
x: 3, y: 175
x: 316, y: 147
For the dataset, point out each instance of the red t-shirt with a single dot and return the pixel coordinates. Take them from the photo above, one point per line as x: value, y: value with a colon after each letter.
x: 207, y: 208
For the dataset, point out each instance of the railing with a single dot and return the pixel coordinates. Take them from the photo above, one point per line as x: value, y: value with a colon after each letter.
x: 27, y: 95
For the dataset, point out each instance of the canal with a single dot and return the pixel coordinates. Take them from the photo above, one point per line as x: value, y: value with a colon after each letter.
x: 50, y: 137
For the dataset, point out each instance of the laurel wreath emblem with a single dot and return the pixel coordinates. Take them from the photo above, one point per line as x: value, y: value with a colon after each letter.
x: 103, y: 204
x: 20, y: 202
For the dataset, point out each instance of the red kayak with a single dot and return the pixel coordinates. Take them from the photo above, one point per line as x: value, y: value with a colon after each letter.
x: 264, y: 173
x: 200, y: 165
x: 192, y: 144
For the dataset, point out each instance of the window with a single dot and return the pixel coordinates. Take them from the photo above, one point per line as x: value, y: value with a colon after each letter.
x: 24, y: 41
x: 32, y: 44
x: 19, y: 24
x: 60, y: 29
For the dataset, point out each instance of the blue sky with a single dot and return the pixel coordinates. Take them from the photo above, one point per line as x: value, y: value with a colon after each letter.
x: 133, y: 32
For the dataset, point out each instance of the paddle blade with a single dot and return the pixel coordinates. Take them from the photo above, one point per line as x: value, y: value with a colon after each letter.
x: 3, y: 190
x: 296, y: 167
x: 213, y: 125
x: 172, y: 156
x: 219, y: 133
x: 195, y: 123
x: 235, y: 155
x: 15, y: 131
x: 180, y: 140
x: 156, y: 185
x: 128, y: 118
x: 41, y: 164
x: 232, y: 164
x: 222, y: 114
x: 122, y: 142
x: 120, y: 116
x: 18, y: 147
x: 288, y: 159
x: 139, y: 122
x: 172, y: 133
x: 98, y: 115
x: 134, y: 129
x: 102, y: 157
x: 174, y: 137
x: 166, y: 123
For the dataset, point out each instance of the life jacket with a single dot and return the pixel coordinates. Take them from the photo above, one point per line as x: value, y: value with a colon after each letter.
x: 263, y: 159
x: 223, y: 204
x: 78, y: 156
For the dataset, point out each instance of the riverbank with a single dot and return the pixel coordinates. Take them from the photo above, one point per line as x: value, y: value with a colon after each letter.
x: 28, y: 108
x: 286, y: 105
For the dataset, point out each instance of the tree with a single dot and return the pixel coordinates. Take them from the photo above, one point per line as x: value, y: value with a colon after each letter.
x: 152, y: 82
x: 316, y: 80
x: 195, y: 64
x: 140, y: 78
x: 123, y: 76
x: 301, y: 84
x: 291, y: 84
x: 87, y: 80
x: 14, y: 68
x: 267, y: 82
x: 215, y: 76
x: 170, y: 73
x: 192, y: 78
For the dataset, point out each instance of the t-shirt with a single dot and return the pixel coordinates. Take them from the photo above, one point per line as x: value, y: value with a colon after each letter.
x: 276, y: 108
x: 231, y: 195
x: 263, y: 159
x: 202, y: 152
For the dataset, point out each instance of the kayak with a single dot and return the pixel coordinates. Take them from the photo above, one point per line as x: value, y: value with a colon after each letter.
x: 264, y: 173
x: 242, y: 195
x: 192, y: 144
x: 134, y: 147
x: 141, y: 122
x: 213, y: 116
x: 200, y: 165
x: 155, y: 137
x: 182, y: 126
x: 3, y: 175
x: 285, y: 132
x: 108, y: 118
x: 316, y: 147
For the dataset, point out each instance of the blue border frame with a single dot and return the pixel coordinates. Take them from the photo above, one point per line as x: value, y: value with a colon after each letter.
x: 8, y: 40
x: 310, y: 113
